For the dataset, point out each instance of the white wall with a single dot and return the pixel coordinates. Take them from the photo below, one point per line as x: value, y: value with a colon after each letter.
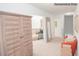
x: 52, y: 27
x: 77, y: 34
x: 22, y: 8
x: 36, y: 22
x: 49, y: 29
x: 45, y: 29
x: 58, y: 31
x: 60, y: 23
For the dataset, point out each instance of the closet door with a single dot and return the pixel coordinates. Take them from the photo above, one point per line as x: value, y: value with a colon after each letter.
x: 11, y: 38
x: 26, y: 36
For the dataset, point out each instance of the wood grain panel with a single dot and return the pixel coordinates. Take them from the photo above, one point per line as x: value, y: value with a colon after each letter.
x: 11, y: 33
x: 17, y: 34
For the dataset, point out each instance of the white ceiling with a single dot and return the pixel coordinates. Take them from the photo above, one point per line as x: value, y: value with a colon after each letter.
x: 51, y: 8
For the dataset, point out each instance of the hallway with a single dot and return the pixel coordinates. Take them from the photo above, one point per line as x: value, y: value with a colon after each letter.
x: 54, y: 20
x: 52, y: 48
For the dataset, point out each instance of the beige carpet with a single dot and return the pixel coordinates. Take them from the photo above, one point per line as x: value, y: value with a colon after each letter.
x: 52, y: 48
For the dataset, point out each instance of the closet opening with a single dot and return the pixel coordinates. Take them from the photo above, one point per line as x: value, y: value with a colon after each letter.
x: 37, y: 28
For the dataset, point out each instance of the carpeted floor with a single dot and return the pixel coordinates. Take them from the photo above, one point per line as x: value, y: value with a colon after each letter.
x: 52, y: 48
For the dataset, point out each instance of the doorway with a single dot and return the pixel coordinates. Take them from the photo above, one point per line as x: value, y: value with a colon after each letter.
x: 37, y: 28
x: 68, y: 24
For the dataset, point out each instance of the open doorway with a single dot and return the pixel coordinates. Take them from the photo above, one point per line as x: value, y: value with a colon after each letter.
x: 41, y: 28
x: 37, y: 28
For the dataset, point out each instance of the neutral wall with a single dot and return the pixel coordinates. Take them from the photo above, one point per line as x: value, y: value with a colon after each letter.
x: 77, y: 34
x: 52, y: 27
x: 36, y: 22
x: 57, y: 31
x: 22, y: 8
x: 45, y: 29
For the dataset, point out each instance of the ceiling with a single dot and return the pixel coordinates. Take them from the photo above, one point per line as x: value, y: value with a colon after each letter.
x: 53, y: 9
